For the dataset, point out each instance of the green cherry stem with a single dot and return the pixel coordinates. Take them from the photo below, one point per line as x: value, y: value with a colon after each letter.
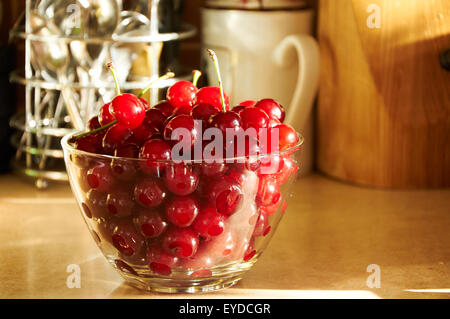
x: 98, y: 129
x: 166, y: 76
x: 110, y: 66
x: 196, y: 74
x: 213, y: 56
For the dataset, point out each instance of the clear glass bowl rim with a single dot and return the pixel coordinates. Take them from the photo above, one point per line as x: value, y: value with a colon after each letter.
x: 69, y: 148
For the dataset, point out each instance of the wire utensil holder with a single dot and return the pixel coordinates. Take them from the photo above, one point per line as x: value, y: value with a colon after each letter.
x: 47, y: 116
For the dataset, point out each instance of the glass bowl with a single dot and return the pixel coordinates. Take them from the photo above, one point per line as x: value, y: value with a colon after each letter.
x: 197, y: 234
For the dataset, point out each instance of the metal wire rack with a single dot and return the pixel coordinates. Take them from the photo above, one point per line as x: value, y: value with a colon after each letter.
x: 48, y: 100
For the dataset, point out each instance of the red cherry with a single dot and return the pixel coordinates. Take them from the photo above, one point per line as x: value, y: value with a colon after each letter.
x: 225, y: 195
x: 211, y: 95
x: 203, y: 186
x: 237, y: 174
x: 138, y: 259
x: 93, y: 123
x: 105, y: 227
x: 270, y: 141
x: 124, y: 152
x: 151, y: 223
x: 273, y: 123
x: 150, y: 192
x: 105, y: 116
x: 272, y: 162
x: 267, y: 230
x: 209, y: 223
x: 186, y: 109
x: 227, y: 122
x: 115, y: 136
x: 254, y: 117
x: 143, y: 133
x: 100, y: 135
x: 100, y: 177
x: 261, y: 225
x: 180, y: 242
x: 128, y: 110
x: 183, y: 122
x: 272, y: 108
x: 168, y: 119
x: 270, y: 165
x: 154, y: 151
x: 213, y: 169
x: 120, y: 202
x: 239, y: 108
x: 288, y: 136
x: 182, y: 210
x: 269, y: 193
x: 203, y: 112
x: 96, y: 203
x: 250, y: 251
x: 159, y: 261
x: 182, y: 93
x: 212, y: 152
x: 126, y: 239
x: 289, y: 169
x: 129, y: 150
x: 155, y: 118
x: 181, y: 179
x: 244, y: 146
x: 165, y: 107
x: 145, y: 103
x: 248, y: 103
x: 125, y: 169
x: 89, y: 143
x: 269, y: 209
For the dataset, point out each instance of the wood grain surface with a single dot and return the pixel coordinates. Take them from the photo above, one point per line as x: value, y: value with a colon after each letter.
x: 384, y: 102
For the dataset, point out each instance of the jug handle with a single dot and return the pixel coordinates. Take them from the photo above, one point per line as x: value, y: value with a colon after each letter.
x: 308, y: 54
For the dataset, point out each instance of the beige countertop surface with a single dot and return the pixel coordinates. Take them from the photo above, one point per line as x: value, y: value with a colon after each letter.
x: 330, y: 234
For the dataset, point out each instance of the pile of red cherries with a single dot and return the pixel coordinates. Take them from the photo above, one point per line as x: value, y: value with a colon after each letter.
x: 158, y: 213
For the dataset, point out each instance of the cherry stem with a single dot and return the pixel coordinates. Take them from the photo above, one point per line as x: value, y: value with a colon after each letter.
x: 166, y: 76
x: 95, y: 130
x: 196, y: 74
x: 110, y: 66
x: 213, y: 56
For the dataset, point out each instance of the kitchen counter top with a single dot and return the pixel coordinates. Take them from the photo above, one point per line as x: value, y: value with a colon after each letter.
x: 330, y: 234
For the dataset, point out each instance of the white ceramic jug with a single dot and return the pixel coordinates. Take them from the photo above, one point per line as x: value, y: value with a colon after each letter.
x: 267, y: 54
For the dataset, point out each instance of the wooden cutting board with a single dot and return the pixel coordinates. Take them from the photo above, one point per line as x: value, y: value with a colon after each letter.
x: 384, y: 101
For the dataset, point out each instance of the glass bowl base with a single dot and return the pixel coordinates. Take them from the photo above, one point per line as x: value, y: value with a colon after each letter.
x: 181, y: 285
